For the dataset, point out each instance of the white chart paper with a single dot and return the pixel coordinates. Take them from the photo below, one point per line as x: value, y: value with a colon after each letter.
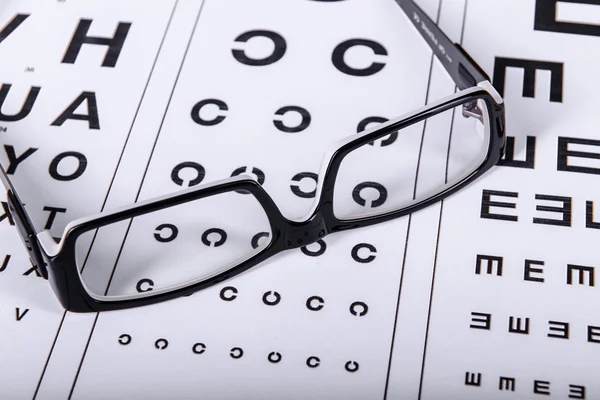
x: 488, y: 294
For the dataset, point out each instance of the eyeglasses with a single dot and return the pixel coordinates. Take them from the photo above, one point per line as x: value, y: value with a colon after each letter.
x: 180, y: 243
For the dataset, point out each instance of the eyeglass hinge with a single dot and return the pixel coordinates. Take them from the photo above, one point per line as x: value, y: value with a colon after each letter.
x: 28, y: 238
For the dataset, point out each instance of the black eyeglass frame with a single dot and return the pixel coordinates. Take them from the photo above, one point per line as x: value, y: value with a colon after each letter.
x: 56, y: 261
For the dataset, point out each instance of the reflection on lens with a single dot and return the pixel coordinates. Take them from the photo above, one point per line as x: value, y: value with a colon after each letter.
x: 423, y: 160
x: 173, y: 247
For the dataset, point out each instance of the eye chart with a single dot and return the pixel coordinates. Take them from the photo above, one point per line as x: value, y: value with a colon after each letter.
x: 489, y: 294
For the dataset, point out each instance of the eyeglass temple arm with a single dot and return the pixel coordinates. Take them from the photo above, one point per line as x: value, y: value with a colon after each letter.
x: 462, y: 68
x: 23, y: 223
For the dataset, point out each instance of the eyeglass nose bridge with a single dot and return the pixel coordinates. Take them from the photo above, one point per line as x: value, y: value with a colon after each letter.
x: 299, y: 234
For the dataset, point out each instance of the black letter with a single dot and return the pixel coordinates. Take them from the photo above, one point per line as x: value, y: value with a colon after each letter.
x: 582, y: 270
x: 196, y: 112
x: 32, y: 269
x: 528, y: 271
x: 592, y: 332
x: 161, y: 344
x: 148, y: 288
x: 170, y: 237
x: 363, y: 312
x: 472, y: 380
x: 565, y: 210
x: 530, y: 67
x: 383, y: 194
x: 125, y: 339
x: 12, y: 25
x: 296, y: 188
x: 82, y: 164
x: 545, y: 19
x: 295, y: 129
x: 516, y: 328
x: 193, y: 182
x: 115, y: 44
x: 216, y: 243
x: 20, y: 316
x: 199, y: 348
x: 362, y: 126
x: 340, y: 51
x: 236, y: 352
x: 274, y: 302
x: 260, y: 176
x: 319, y: 300
x: 27, y: 105
x: 490, y: 262
x: 589, y: 216
x: 14, y: 160
x: 92, y: 114
x: 369, y: 258
x: 486, y: 320
x: 5, y: 262
x: 564, y: 164
x: 351, y: 366
x: 53, y: 212
x: 223, y: 293
x: 257, y: 237
x: 274, y: 357
x: 563, y: 328
x: 509, y: 155
x: 486, y: 203
x: 278, y: 52
x: 507, y: 384
x: 313, y: 362
x: 315, y: 253
x: 541, y: 387
x: 6, y: 214
x: 576, y: 392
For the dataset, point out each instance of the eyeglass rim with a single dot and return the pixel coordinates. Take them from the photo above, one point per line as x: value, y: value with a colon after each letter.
x: 62, y: 255
x: 337, y: 150
x: 59, y: 257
